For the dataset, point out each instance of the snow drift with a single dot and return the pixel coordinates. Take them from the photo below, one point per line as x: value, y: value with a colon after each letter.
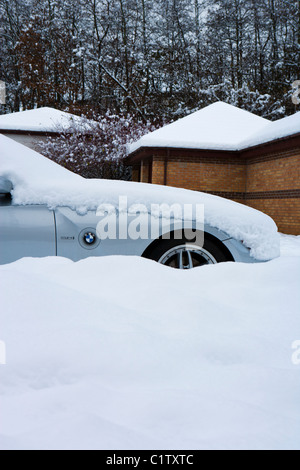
x: 124, y: 353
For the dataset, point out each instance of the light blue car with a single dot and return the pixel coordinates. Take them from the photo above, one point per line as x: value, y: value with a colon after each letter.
x: 37, y: 231
x: 46, y: 210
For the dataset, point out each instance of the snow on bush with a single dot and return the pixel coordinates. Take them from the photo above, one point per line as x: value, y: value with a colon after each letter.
x: 96, y: 148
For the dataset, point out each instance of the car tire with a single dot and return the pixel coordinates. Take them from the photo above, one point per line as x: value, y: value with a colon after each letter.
x: 182, y: 254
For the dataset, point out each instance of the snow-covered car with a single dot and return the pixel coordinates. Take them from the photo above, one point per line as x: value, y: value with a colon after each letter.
x: 45, y: 210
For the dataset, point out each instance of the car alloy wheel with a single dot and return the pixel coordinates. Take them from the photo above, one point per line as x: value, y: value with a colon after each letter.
x: 184, y: 254
x: 187, y: 257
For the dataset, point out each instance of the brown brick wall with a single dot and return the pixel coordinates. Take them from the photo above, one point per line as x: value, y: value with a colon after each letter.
x: 272, y: 177
x: 201, y: 176
x: 158, y: 171
x: 285, y: 212
x: 279, y: 174
x: 145, y: 172
x: 136, y: 173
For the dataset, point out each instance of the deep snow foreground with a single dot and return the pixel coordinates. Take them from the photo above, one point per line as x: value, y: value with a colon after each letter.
x: 123, y: 353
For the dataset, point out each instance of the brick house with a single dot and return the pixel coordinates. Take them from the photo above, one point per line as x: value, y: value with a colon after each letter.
x: 231, y: 153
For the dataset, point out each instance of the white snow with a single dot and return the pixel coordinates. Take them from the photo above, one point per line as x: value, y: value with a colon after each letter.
x: 40, y: 120
x: 289, y: 245
x: 219, y: 126
x: 276, y: 130
x: 124, y: 353
x: 26, y: 168
x: 37, y: 180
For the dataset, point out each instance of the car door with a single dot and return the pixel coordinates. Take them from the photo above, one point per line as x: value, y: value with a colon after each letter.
x: 25, y: 231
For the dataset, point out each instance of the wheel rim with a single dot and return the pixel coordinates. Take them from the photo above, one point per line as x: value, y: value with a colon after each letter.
x: 187, y: 257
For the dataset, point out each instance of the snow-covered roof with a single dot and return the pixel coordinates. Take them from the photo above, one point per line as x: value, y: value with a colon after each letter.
x: 40, y: 120
x: 219, y: 126
x: 38, y: 180
x: 276, y: 130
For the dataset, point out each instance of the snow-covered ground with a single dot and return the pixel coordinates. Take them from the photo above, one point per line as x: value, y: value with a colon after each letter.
x: 123, y: 353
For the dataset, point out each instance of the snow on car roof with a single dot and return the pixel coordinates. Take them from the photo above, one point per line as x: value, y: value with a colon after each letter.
x: 219, y: 126
x: 21, y: 164
x: 40, y: 120
x: 38, y: 180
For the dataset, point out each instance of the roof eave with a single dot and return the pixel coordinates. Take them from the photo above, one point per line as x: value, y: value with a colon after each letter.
x: 144, y: 152
x: 39, y: 133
